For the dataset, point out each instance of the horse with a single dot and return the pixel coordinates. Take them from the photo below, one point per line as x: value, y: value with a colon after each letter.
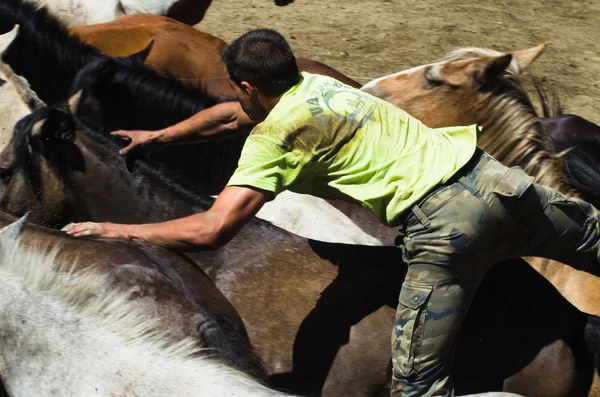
x: 62, y: 324
x: 177, y: 50
x: 318, y: 314
x: 317, y: 214
x: 89, y: 318
x: 89, y: 12
x: 474, y: 85
x: 43, y: 40
x: 167, y: 288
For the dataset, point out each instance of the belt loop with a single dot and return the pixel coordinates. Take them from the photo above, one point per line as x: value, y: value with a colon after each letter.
x: 420, y: 216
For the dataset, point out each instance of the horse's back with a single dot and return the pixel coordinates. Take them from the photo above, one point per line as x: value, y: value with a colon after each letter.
x: 178, y: 49
x: 168, y: 286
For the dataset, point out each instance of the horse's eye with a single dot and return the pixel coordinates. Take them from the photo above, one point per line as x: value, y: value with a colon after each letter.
x: 5, y: 174
x: 431, y: 80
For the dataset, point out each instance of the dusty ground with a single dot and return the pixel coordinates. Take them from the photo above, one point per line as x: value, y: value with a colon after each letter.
x: 369, y: 38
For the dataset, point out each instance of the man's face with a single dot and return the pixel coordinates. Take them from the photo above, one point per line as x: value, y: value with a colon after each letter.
x: 248, y: 96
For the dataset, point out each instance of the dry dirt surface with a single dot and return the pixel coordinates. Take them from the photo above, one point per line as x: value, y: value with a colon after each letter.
x: 365, y: 39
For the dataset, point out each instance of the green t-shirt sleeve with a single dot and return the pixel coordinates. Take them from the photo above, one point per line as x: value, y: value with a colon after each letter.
x: 265, y: 165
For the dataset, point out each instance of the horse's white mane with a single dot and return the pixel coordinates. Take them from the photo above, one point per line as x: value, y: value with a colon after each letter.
x: 477, y: 52
x: 22, y: 87
x: 38, y: 269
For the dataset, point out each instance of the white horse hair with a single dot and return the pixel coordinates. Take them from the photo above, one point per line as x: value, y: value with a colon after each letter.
x: 59, y: 337
x: 17, y: 99
x: 88, y: 12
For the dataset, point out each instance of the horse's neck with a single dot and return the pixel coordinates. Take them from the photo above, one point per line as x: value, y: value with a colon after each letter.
x: 49, y: 346
x: 512, y: 134
x: 107, y: 191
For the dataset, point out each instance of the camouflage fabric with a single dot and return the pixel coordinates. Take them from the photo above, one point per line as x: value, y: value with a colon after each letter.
x: 453, y: 237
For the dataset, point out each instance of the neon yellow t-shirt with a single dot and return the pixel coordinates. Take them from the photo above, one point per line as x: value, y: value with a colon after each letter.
x: 330, y: 140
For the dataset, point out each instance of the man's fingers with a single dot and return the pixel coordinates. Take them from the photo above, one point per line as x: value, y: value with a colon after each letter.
x: 68, y: 227
x: 127, y: 148
x: 82, y: 229
x: 84, y: 233
x: 122, y: 134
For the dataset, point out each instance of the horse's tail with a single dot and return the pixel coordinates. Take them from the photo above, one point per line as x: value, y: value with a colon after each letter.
x: 549, y: 101
x: 582, y: 166
x: 592, y: 339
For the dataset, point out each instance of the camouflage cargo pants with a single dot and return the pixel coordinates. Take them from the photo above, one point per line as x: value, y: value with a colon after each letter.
x: 453, y: 237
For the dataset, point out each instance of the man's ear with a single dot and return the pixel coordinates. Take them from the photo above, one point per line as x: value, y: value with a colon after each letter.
x: 248, y: 89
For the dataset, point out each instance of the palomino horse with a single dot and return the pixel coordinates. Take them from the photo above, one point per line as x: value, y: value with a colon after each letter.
x: 87, y: 12
x: 167, y: 288
x: 321, y: 329
x: 178, y: 50
x: 481, y: 86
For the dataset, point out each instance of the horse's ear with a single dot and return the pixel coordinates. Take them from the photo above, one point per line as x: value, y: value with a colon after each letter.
x: 141, y: 55
x: 524, y: 58
x: 9, y: 235
x: 107, y: 69
x: 494, y: 66
x: 6, y: 39
x: 56, y: 124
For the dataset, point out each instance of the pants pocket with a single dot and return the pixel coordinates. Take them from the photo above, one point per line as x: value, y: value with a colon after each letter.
x: 513, y: 184
x: 407, y: 337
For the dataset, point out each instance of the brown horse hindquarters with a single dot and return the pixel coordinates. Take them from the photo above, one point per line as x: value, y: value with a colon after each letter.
x: 179, y: 50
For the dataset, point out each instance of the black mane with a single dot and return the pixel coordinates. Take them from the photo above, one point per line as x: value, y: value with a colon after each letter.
x: 188, y: 191
x: 118, y: 94
x: 43, y: 52
x: 59, y: 124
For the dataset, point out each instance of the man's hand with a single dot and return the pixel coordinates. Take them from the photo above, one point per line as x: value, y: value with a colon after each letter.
x: 234, y: 207
x: 139, y: 139
x: 105, y: 229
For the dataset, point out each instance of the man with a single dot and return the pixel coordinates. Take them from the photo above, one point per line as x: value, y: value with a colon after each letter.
x: 462, y: 210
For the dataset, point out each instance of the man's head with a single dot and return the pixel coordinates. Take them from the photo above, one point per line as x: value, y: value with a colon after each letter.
x: 261, y: 67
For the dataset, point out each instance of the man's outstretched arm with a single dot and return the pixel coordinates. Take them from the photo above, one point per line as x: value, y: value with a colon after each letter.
x: 217, y: 122
x: 234, y: 207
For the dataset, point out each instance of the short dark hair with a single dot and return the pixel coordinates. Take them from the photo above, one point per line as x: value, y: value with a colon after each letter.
x: 263, y: 58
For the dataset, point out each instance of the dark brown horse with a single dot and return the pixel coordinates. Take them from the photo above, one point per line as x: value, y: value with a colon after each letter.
x: 319, y: 314
x: 170, y: 287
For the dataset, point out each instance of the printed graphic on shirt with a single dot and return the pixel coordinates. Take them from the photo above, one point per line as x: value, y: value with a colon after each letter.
x: 349, y: 105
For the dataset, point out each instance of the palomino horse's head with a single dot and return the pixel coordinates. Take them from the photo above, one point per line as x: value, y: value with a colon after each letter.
x: 34, y: 167
x: 452, y: 91
x: 17, y: 100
